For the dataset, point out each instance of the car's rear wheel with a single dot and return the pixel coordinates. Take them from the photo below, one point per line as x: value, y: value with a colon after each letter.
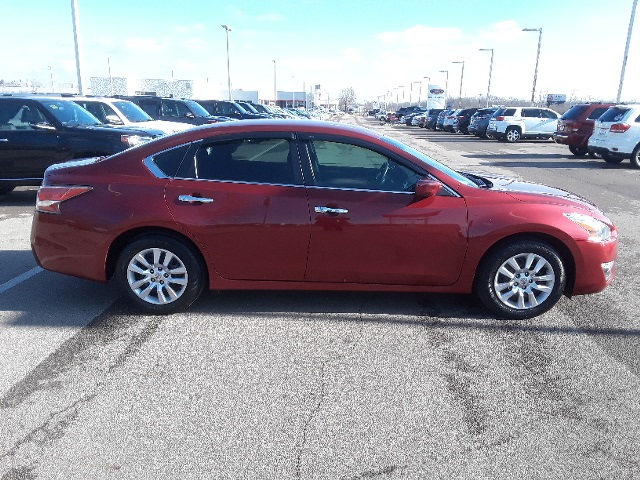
x: 4, y: 189
x: 521, y: 279
x: 635, y: 157
x: 160, y: 274
x: 512, y: 134
x: 578, y: 151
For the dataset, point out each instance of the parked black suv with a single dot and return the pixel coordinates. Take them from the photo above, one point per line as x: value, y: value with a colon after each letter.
x: 229, y: 108
x: 175, y: 109
x: 463, y: 119
x: 480, y: 121
x: 432, y: 118
x: 38, y: 131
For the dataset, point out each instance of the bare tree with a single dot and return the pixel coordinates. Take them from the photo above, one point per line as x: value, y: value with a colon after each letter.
x: 347, y: 97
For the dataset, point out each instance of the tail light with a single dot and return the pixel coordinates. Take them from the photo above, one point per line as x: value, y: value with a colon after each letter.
x: 500, y: 118
x: 50, y: 198
x: 619, y: 127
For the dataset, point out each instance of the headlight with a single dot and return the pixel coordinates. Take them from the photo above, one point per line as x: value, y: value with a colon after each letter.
x: 133, y: 140
x: 598, y: 231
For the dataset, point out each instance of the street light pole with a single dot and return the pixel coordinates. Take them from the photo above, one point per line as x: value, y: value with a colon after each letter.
x: 76, y: 42
x: 535, y: 73
x: 426, y: 102
x: 228, y: 29
x: 490, y: 70
x: 446, y: 87
x: 626, y: 49
x: 461, y: 77
x: 275, y: 92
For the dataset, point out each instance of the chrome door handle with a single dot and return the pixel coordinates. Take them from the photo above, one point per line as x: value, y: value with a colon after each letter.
x: 4, y: 139
x: 192, y: 199
x: 326, y: 210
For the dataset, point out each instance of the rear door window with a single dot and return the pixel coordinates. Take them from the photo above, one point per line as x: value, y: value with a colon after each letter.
x: 597, y: 113
x: 249, y: 160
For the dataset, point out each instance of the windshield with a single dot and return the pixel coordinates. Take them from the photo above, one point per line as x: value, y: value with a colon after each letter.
x: 197, y: 109
x: 132, y: 111
x: 249, y: 107
x: 69, y: 113
x: 431, y: 162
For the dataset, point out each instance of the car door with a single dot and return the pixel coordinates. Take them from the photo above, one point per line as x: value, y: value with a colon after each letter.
x: 29, y: 143
x: 532, y: 120
x: 368, y: 228
x: 242, y: 198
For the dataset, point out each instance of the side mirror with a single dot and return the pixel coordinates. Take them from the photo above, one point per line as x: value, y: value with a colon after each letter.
x: 426, y: 188
x: 113, y: 120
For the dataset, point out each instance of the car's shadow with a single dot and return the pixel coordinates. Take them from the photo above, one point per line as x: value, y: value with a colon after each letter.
x: 20, y: 197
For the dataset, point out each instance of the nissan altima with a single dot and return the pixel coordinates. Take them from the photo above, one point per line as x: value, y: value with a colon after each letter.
x: 292, y: 205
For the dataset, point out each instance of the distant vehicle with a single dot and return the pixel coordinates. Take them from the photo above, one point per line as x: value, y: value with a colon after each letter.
x: 616, y: 135
x: 515, y: 123
x: 432, y: 118
x: 229, y: 108
x: 576, y: 126
x: 463, y: 119
x: 480, y: 121
x: 117, y: 111
x: 38, y: 131
x: 449, y: 119
x: 312, y: 205
x: 175, y: 109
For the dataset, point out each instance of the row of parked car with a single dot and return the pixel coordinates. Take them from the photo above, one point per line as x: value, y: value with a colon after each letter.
x: 39, y: 130
x: 605, y: 130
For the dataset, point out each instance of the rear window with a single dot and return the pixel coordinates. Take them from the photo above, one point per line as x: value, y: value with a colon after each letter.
x: 597, y: 112
x: 614, y: 114
x: 574, y: 112
x: 505, y: 112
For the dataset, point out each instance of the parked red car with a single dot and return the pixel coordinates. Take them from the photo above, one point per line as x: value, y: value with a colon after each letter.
x: 576, y: 126
x: 312, y: 205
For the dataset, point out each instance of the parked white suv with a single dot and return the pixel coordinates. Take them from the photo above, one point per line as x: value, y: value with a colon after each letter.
x: 114, y: 111
x: 513, y: 123
x: 616, y: 135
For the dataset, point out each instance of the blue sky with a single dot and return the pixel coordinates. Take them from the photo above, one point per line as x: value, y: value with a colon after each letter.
x: 373, y: 46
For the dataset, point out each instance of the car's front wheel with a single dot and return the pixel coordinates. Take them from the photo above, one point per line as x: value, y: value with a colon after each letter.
x: 521, y: 279
x: 160, y: 274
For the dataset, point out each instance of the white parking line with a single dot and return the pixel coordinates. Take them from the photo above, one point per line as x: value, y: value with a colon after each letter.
x: 20, y: 278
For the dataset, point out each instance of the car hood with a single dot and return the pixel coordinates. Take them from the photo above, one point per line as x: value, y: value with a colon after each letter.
x: 535, y: 192
x: 164, y: 125
x: 123, y: 130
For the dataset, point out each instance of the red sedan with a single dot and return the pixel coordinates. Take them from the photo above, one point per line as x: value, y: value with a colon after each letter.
x: 314, y: 205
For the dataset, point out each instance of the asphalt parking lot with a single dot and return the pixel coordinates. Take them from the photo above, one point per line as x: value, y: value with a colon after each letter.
x: 326, y: 385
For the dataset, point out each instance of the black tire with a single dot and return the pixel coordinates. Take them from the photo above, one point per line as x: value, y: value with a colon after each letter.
x: 154, y: 268
x: 512, y: 134
x: 524, y: 292
x: 607, y: 157
x: 635, y: 157
x: 4, y: 189
x: 578, y: 151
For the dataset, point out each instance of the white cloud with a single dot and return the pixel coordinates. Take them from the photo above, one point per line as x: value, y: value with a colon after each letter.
x: 270, y: 17
x: 144, y: 44
x: 188, y: 28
